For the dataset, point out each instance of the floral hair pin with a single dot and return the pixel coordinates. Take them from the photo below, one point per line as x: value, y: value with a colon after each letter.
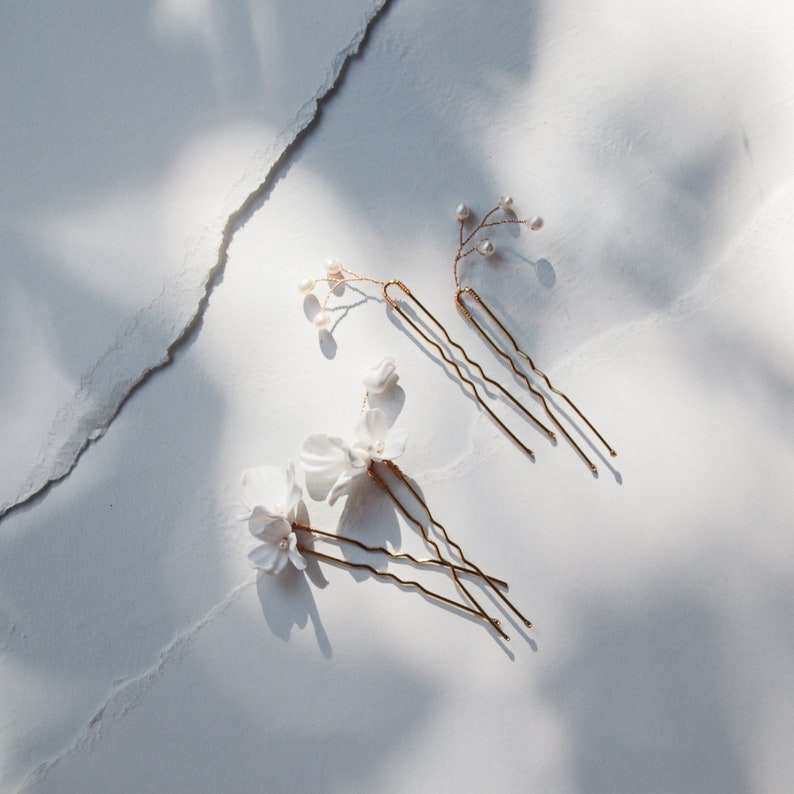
x: 333, y: 465
x: 431, y: 333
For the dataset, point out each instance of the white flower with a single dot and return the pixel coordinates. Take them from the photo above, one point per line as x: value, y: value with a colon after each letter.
x: 270, y: 496
x: 332, y: 463
x: 279, y: 546
x: 378, y: 378
x: 336, y: 464
x: 375, y: 439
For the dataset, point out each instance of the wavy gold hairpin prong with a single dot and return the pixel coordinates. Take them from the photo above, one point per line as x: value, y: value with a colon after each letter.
x: 394, y: 578
x: 395, y: 304
x: 271, y: 497
x: 338, y: 275
x: 485, y: 247
x: 459, y: 302
x: 431, y: 543
x: 465, y: 569
x: 458, y: 550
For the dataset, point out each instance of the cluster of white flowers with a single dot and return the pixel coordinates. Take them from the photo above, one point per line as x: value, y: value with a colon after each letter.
x: 270, y: 495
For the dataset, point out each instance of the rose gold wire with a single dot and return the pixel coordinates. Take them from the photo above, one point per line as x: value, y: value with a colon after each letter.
x: 432, y: 544
x: 467, y: 314
x: 483, y: 224
x: 388, y: 575
x: 351, y: 278
x: 470, y: 571
x: 472, y: 386
x: 492, y: 582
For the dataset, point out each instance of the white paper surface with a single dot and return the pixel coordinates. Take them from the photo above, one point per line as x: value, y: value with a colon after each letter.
x: 139, y: 652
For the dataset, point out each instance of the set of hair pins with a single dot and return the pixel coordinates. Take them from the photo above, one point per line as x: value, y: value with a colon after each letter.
x: 272, y: 496
x: 429, y: 331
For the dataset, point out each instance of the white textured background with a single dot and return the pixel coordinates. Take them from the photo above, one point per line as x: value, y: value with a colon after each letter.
x: 169, y: 171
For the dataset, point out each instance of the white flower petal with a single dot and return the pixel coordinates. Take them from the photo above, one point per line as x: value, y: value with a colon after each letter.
x: 295, y: 557
x: 294, y: 492
x: 281, y: 562
x: 343, y: 482
x: 372, y: 428
x: 264, y: 487
x: 395, y: 445
x: 325, y: 456
x: 275, y: 531
x: 259, y: 521
x: 265, y: 557
x: 378, y: 378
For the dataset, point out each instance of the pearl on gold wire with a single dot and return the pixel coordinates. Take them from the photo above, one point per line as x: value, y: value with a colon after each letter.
x: 462, y: 212
x: 486, y: 247
x: 333, y: 267
x: 506, y: 203
x: 534, y: 223
x: 306, y: 285
x: 321, y: 319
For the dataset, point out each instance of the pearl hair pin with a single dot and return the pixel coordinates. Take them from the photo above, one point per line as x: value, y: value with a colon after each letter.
x: 431, y: 333
x: 510, y: 352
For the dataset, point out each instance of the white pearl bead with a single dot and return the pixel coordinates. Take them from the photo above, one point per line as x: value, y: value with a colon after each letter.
x: 283, y: 544
x: 306, y: 285
x: 278, y: 508
x: 333, y: 267
x: 321, y: 319
x: 462, y: 212
x: 506, y: 203
x: 485, y: 247
x: 535, y: 223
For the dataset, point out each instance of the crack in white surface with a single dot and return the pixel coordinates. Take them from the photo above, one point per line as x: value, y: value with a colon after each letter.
x: 150, y: 339
x: 127, y: 694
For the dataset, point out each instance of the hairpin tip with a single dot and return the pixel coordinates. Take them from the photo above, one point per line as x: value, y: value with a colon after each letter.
x: 552, y: 436
x: 613, y: 453
x: 528, y: 624
x: 507, y: 639
x: 594, y: 468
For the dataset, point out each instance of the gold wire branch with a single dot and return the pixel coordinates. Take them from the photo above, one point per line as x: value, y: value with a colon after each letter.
x: 346, y: 276
x: 487, y: 579
x: 485, y: 223
x: 431, y: 543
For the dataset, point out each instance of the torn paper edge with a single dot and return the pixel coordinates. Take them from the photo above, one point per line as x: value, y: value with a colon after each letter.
x: 150, y: 338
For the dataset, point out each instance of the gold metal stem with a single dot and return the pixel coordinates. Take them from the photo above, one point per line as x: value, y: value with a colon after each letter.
x: 404, y: 582
x: 470, y: 571
x: 458, y: 301
x: 398, y: 473
x: 374, y: 475
x: 464, y: 379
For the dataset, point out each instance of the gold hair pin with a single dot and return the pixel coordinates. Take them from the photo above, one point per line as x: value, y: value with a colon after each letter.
x: 508, y: 349
x: 332, y: 465
x: 429, y: 332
